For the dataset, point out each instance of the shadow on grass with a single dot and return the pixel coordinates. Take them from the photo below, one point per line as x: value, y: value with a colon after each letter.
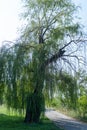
x: 16, y: 123
x: 10, y: 121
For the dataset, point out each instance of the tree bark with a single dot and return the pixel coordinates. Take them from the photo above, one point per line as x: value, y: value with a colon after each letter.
x: 35, y: 105
x: 35, y: 101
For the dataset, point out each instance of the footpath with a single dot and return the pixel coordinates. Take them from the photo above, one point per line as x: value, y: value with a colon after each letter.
x: 65, y: 122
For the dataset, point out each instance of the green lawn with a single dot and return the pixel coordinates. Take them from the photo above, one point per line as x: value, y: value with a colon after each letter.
x: 8, y: 122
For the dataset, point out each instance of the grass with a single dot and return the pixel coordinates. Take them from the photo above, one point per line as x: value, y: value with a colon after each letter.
x: 9, y: 122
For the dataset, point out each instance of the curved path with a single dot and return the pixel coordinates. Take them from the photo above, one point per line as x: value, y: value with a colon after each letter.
x: 65, y: 122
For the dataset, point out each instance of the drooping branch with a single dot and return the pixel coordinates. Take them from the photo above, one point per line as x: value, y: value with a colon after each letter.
x: 62, y: 51
x: 54, y: 57
x: 73, y: 67
x: 58, y: 55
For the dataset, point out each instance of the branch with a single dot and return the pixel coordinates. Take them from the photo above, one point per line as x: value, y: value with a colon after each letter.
x: 55, y: 57
x: 74, y: 56
x: 71, y: 65
x: 58, y: 55
x: 61, y: 52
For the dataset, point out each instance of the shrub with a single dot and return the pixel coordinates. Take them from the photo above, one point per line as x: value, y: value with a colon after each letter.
x: 82, y: 105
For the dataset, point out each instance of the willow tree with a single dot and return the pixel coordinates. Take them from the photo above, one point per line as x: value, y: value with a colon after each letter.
x: 47, y: 23
x: 43, y: 44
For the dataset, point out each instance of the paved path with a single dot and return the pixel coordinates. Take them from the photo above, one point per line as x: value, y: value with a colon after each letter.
x: 65, y: 122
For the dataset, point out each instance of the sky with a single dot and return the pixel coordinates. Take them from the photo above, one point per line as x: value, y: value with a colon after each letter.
x: 82, y: 11
x: 10, y: 20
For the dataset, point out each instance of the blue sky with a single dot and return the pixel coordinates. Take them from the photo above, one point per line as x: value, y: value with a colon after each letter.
x: 9, y: 17
x: 82, y: 11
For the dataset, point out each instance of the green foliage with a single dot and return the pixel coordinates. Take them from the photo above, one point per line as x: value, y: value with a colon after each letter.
x: 2, y: 88
x: 56, y: 103
x: 50, y: 19
x: 2, y: 75
x: 15, y: 76
x: 68, y: 90
x: 65, y: 90
x: 82, y: 105
x: 26, y: 68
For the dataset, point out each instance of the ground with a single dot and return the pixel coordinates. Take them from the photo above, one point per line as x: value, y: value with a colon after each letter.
x: 65, y: 122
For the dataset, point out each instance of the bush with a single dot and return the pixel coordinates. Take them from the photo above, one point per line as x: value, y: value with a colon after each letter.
x: 56, y: 103
x: 82, y: 105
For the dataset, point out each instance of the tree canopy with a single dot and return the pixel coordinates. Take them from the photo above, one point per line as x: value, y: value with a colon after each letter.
x: 29, y: 67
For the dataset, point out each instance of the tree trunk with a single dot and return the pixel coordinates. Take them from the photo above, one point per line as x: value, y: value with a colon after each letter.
x: 36, y: 102
x: 35, y: 105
